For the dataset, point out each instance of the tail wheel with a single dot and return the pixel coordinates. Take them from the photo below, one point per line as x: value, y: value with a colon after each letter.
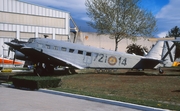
x: 161, y: 71
x: 72, y: 71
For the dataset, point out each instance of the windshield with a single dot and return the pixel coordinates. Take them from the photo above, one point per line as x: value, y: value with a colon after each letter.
x: 31, y: 40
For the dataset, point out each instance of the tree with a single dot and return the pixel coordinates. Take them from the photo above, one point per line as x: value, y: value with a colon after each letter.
x: 175, y: 32
x: 120, y: 18
x: 136, y: 49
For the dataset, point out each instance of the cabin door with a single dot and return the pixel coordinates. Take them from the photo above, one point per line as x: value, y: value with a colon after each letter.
x: 87, y: 59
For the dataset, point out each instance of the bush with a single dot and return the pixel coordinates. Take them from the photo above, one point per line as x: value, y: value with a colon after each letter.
x: 35, y: 82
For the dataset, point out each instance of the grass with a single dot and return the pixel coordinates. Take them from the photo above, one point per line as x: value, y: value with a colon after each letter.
x: 145, y: 88
x: 155, y: 91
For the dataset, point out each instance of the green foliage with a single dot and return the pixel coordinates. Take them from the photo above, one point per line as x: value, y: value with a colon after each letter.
x: 175, y: 32
x: 120, y: 18
x: 35, y: 82
x: 136, y: 49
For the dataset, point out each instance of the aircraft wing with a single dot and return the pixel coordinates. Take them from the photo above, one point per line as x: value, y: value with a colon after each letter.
x: 38, y: 55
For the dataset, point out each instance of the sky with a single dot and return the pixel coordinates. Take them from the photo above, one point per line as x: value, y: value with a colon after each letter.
x: 166, y: 12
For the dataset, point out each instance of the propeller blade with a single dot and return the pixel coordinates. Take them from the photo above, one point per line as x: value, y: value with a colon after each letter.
x: 9, y: 51
x: 14, y: 59
x: 15, y: 40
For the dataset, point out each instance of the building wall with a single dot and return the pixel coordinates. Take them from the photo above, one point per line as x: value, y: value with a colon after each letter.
x: 103, y: 41
x: 24, y: 20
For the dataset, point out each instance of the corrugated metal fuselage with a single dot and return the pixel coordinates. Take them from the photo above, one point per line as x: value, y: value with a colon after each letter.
x: 88, y: 57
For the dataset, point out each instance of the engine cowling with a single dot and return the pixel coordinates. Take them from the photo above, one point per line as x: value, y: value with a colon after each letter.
x: 20, y: 56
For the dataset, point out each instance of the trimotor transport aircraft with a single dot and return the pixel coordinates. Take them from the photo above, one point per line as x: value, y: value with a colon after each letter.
x: 48, y: 54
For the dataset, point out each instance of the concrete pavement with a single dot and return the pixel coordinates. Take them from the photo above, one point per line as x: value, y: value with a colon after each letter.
x: 12, y: 99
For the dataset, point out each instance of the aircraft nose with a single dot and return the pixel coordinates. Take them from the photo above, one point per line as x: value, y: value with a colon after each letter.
x: 13, y: 45
x: 7, y: 43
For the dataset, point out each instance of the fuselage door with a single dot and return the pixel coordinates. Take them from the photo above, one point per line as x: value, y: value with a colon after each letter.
x: 88, y: 58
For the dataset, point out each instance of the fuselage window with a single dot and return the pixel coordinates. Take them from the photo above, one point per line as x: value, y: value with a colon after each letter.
x: 55, y: 47
x: 48, y: 46
x: 88, y: 53
x: 39, y: 45
x: 80, y: 52
x: 63, y: 49
x: 71, y: 50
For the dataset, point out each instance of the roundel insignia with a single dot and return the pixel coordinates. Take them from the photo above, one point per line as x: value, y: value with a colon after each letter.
x: 112, y: 60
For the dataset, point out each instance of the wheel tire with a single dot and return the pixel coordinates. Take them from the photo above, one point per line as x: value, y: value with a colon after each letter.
x: 49, y: 70
x: 38, y: 71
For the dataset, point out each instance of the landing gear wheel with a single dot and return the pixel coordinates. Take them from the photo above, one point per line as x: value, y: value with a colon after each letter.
x: 161, y: 71
x: 43, y: 69
x: 49, y: 69
x: 38, y: 71
x: 72, y: 71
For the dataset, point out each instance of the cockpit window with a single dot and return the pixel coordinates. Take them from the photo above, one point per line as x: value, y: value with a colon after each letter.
x: 31, y: 40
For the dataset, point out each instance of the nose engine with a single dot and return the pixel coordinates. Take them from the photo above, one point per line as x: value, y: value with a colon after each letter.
x: 19, y: 55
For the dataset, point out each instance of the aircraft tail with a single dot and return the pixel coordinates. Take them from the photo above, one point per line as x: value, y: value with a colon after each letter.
x: 165, y: 51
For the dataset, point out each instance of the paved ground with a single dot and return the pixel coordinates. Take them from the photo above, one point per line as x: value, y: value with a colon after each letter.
x: 44, y: 100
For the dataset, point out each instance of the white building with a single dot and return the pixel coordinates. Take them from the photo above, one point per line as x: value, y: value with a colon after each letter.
x: 23, y: 20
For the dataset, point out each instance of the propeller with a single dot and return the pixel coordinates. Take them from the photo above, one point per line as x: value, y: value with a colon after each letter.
x: 14, y: 59
x: 15, y: 52
x: 17, y: 41
x: 10, y: 49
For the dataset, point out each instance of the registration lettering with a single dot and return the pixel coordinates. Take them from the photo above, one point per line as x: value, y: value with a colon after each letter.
x: 112, y: 60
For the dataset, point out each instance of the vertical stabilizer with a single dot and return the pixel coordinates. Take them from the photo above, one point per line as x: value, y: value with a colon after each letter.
x: 165, y: 51
x: 168, y: 53
x: 156, y: 51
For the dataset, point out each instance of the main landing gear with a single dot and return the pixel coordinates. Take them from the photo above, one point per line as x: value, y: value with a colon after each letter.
x: 43, y: 69
x: 68, y: 70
